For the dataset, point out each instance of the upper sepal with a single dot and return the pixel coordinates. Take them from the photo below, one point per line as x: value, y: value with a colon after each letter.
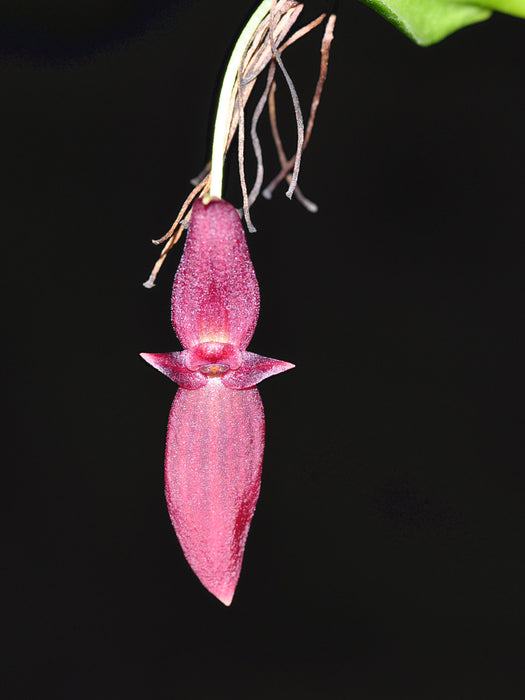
x: 173, y: 365
x: 215, y: 292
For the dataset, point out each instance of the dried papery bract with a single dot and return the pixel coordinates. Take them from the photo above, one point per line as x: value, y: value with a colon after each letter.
x: 262, y: 48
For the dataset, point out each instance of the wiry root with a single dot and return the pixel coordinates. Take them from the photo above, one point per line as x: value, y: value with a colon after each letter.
x: 287, y: 165
x: 175, y: 232
x: 265, y: 49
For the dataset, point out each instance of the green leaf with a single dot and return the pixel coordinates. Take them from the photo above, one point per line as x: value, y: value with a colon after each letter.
x: 429, y: 21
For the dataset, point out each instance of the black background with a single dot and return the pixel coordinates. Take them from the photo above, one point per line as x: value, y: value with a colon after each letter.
x: 385, y: 559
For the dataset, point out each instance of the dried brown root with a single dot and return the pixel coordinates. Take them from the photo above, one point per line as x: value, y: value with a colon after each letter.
x: 265, y: 48
x: 307, y: 203
x: 325, y: 55
x: 256, y: 144
x: 175, y: 232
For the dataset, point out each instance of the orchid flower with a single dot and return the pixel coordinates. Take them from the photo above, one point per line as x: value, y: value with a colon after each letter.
x: 215, y: 438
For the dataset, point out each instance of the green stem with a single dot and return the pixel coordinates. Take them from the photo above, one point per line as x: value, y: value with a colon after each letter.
x: 223, y: 118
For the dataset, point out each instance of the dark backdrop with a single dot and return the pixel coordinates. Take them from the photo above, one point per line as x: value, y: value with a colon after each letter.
x: 385, y: 559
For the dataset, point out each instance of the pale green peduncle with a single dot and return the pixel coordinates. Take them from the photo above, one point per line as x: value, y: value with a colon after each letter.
x: 222, y: 119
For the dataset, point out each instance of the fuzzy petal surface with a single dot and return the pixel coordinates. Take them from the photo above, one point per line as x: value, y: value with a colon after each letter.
x: 214, y: 454
x: 215, y: 292
x: 173, y: 365
x: 254, y: 368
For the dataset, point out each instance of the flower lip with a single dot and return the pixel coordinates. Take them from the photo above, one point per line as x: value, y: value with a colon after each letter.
x: 215, y: 370
x: 213, y: 354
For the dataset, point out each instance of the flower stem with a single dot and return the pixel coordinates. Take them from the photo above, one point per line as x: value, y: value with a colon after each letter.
x: 222, y: 119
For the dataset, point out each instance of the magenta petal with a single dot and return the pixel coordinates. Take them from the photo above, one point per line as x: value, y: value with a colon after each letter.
x: 254, y: 369
x: 173, y: 366
x: 213, y: 473
x: 215, y: 293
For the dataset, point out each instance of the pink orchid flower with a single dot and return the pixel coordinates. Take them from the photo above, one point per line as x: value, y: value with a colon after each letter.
x: 215, y: 438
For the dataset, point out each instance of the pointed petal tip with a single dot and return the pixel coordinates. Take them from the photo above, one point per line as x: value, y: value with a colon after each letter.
x: 221, y: 585
x: 223, y: 593
x: 225, y: 598
x: 223, y: 589
x: 151, y: 358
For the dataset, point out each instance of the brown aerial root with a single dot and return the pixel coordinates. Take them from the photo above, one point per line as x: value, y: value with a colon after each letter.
x: 175, y: 232
x: 265, y: 49
x: 287, y: 165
